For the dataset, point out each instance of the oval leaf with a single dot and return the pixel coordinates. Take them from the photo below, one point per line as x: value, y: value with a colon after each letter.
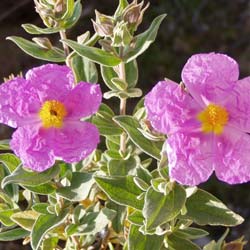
x: 121, y: 190
x: 205, y: 209
x: 13, y: 234
x: 159, y: 208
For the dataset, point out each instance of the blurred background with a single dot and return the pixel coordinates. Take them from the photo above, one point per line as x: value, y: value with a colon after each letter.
x: 192, y: 26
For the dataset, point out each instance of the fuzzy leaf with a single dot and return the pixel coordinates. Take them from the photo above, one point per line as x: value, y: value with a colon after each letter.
x: 94, y: 54
x: 10, y: 161
x: 205, y: 209
x: 144, y: 40
x: 43, y: 224
x: 121, y: 190
x: 79, y: 188
x: 131, y: 125
x: 26, y: 177
x: 139, y: 241
x: 175, y: 243
x: 13, y: 234
x: 160, y: 208
x: 32, y: 49
x: 191, y: 233
x: 35, y: 30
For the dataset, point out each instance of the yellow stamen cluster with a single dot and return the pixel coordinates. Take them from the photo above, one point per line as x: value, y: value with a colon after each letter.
x: 52, y: 114
x: 213, y: 119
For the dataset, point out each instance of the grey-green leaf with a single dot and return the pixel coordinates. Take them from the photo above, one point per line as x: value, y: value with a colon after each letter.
x: 10, y: 161
x: 94, y: 54
x: 191, y: 233
x: 32, y: 49
x: 139, y: 241
x: 144, y: 40
x: 13, y: 234
x: 176, y: 243
x: 121, y: 190
x: 84, y: 70
x: 29, y: 178
x: 79, y: 188
x: 131, y: 125
x: 43, y: 224
x: 160, y: 208
x: 35, y: 30
x: 205, y: 209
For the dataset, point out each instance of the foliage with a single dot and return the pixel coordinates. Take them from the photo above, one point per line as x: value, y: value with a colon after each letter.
x: 119, y: 197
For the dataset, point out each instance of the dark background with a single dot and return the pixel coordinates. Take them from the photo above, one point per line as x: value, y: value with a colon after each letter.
x: 192, y: 26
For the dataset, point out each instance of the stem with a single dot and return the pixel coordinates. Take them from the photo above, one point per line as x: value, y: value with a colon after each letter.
x: 65, y: 46
x: 123, y: 103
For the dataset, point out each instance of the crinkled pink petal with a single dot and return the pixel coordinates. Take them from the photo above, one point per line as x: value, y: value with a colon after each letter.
x: 74, y: 142
x: 51, y: 81
x: 238, y: 105
x: 210, y: 77
x: 83, y: 100
x: 233, y: 151
x: 170, y: 108
x: 31, y: 146
x: 18, y: 103
x: 191, y: 157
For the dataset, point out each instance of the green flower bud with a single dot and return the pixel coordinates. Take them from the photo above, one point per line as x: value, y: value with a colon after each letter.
x: 103, y: 25
x: 43, y: 42
x: 122, y: 35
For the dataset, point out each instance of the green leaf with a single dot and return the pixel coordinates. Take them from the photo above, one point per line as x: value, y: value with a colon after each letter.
x: 144, y: 40
x: 122, y: 5
x: 32, y: 49
x: 4, y: 145
x: 44, y: 224
x: 105, y: 124
x: 5, y: 217
x: 176, y: 243
x: 139, y: 241
x: 160, y: 208
x: 13, y: 234
x: 122, y: 167
x: 94, y: 54
x: 25, y: 219
x: 217, y: 245
x: 131, y: 125
x: 72, y: 20
x: 40, y: 208
x: 25, y: 177
x: 79, y: 188
x: 50, y: 243
x: 205, y: 209
x: 35, y: 30
x: 121, y: 190
x: 70, y: 9
x: 10, y: 161
x: 131, y: 70
x: 46, y: 188
x: 136, y: 218
x: 84, y: 69
x: 191, y: 233
x: 118, y: 220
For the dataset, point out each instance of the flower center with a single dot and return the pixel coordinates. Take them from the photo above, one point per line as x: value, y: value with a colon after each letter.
x: 52, y: 114
x: 213, y: 119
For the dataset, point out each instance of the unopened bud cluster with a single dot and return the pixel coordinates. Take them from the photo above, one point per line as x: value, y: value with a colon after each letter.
x: 51, y: 11
x: 120, y: 28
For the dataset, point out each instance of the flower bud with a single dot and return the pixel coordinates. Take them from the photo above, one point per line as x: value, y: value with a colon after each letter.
x: 103, y: 25
x: 121, y: 36
x: 43, y: 42
x: 133, y: 14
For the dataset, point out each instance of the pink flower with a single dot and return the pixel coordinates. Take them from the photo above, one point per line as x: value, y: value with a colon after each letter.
x: 207, y: 124
x: 46, y: 110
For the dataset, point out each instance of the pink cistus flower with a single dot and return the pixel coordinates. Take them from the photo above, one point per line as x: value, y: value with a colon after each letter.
x: 207, y: 123
x: 47, y: 112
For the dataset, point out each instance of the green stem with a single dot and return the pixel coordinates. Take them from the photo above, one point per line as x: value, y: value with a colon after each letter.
x: 65, y: 46
x: 123, y: 104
